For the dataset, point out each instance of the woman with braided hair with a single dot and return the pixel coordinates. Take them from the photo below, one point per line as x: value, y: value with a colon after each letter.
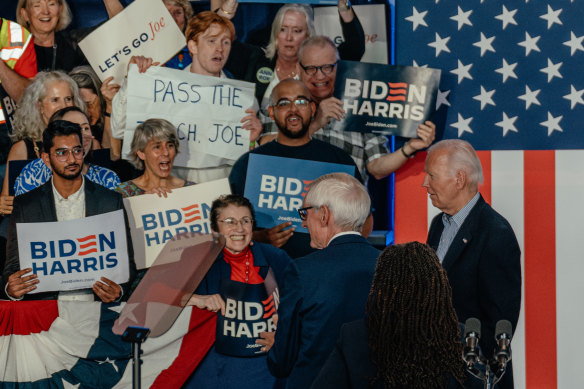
x: 410, y: 337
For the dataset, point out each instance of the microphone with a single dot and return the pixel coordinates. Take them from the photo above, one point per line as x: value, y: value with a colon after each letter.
x: 472, y: 334
x: 503, y: 335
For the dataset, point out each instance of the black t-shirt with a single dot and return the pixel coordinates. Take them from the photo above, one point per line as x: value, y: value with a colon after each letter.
x: 63, y: 56
x: 315, y: 150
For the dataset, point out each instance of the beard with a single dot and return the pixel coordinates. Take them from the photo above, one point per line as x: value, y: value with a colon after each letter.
x: 283, y: 127
x: 68, y: 175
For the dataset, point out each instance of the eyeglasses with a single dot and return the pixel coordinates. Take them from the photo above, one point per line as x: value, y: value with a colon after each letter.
x: 325, y: 69
x: 299, y: 102
x: 232, y: 222
x: 303, y: 212
x: 63, y: 154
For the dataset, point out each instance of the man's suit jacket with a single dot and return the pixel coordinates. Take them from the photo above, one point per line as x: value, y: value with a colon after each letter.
x: 38, y: 206
x: 483, y: 265
x: 320, y: 292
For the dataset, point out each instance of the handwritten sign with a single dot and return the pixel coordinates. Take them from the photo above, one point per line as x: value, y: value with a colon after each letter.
x: 206, y: 111
x: 276, y: 186
x: 155, y: 220
x: 143, y: 28
x: 385, y: 99
x: 74, y: 254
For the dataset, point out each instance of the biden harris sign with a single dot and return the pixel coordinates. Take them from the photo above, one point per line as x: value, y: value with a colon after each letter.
x: 385, y: 99
x: 276, y: 186
x: 74, y: 254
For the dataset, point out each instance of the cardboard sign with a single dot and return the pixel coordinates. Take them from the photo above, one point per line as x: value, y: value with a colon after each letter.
x: 74, y: 254
x: 276, y: 187
x: 385, y: 99
x: 155, y: 220
x: 206, y: 111
x: 143, y: 28
x: 372, y: 18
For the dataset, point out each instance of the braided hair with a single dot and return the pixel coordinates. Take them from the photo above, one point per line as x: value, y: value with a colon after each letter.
x: 413, y: 330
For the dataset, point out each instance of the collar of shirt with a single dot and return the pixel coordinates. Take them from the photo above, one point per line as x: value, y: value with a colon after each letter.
x: 341, y: 234
x: 459, y: 217
x: 72, y: 207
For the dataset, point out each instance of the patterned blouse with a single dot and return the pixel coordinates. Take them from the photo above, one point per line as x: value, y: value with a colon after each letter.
x: 37, y: 173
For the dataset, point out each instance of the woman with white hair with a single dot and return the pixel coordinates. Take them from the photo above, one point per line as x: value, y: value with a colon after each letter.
x: 46, y: 94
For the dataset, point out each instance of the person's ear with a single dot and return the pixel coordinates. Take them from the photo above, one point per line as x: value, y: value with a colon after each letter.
x: 46, y: 159
x: 460, y: 179
x: 325, y: 215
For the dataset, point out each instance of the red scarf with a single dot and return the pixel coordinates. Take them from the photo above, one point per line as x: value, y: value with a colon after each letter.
x: 242, y: 268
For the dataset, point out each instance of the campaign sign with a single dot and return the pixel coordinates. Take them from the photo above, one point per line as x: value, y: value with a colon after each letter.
x: 321, y: 2
x: 74, y: 254
x: 385, y: 99
x: 156, y: 220
x: 248, y: 312
x: 206, y: 111
x: 276, y: 187
x: 145, y: 27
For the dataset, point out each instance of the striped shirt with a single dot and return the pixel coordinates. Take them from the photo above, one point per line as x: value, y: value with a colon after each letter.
x: 451, y: 226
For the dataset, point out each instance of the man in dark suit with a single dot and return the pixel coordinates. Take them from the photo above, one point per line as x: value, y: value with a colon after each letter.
x: 477, y: 246
x: 66, y: 196
x: 327, y: 288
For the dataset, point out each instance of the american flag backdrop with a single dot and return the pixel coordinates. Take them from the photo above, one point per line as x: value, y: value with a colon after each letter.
x: 512, y: 86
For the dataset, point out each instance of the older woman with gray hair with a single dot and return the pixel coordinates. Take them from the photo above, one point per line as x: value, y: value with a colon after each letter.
x: 279, y: 60
x: 46, y: 94
x: 154, y: 147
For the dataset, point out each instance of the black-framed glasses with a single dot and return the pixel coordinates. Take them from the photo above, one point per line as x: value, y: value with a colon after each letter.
x: 303, y: 212
x: 232, y: 222
x: 63, y: 154
x: 325, y: 69
x: 299, y: 102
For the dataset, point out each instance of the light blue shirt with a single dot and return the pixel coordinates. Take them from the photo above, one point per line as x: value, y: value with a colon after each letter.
x: 452, y: 225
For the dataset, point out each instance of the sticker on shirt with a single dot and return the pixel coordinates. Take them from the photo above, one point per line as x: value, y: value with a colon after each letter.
x: 265, y: 75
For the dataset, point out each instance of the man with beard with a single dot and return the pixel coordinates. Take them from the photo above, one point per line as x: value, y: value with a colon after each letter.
x: 66, y: 196
x: 292, y: 108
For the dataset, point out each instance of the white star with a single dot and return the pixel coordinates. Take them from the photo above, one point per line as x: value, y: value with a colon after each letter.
x: 552, y: 123
x: 575, y: 96
x: 507, y: 124
x: 440, y: 44
x: 462, y: 18
x: 442, y: 99
x: 575, y: 43
x: 112, y: 362
x: 552, y: 70
x: 507, y: 17
x: 415, y: 64
x: 462, y: 125
x: 485, y: 44
x: 507, y: 70
x: 485, y: 97
x: 530, y: 43
x: 417, y: 19
x: 530, y: 97
x: 552, y: 17
x: 462, y: 71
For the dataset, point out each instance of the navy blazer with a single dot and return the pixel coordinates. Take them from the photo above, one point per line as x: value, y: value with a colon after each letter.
x: 483, y: 265
x: 321, y: 291
x: 38, y: 206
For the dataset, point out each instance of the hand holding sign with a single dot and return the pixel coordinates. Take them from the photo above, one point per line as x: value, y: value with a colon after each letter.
x: 18, y: 284
x: 276, y: 236
x: 107, y: 290
x: 267, y: 338
x: 426, y: 133
x: 252, y: 123
x: 212, y: 302
x: 331, y: 108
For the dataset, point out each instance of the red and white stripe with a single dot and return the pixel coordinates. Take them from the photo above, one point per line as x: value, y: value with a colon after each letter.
x: 540, y: 193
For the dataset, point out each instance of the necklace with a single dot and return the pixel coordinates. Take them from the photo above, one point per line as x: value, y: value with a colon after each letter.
x: 291, y: 74
x: 247, y: 267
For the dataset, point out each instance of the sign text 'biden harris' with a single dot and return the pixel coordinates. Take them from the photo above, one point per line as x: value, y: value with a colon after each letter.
x: 74, y: 254
x: 385, y: 99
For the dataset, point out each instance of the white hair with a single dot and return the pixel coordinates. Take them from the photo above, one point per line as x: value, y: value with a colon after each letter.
x: 345, y: 196
x: 461, y: 156
x: 272, y: 47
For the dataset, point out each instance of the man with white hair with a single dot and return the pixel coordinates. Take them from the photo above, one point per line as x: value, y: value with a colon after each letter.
x: 327, y: 288
x: 477, y: 246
